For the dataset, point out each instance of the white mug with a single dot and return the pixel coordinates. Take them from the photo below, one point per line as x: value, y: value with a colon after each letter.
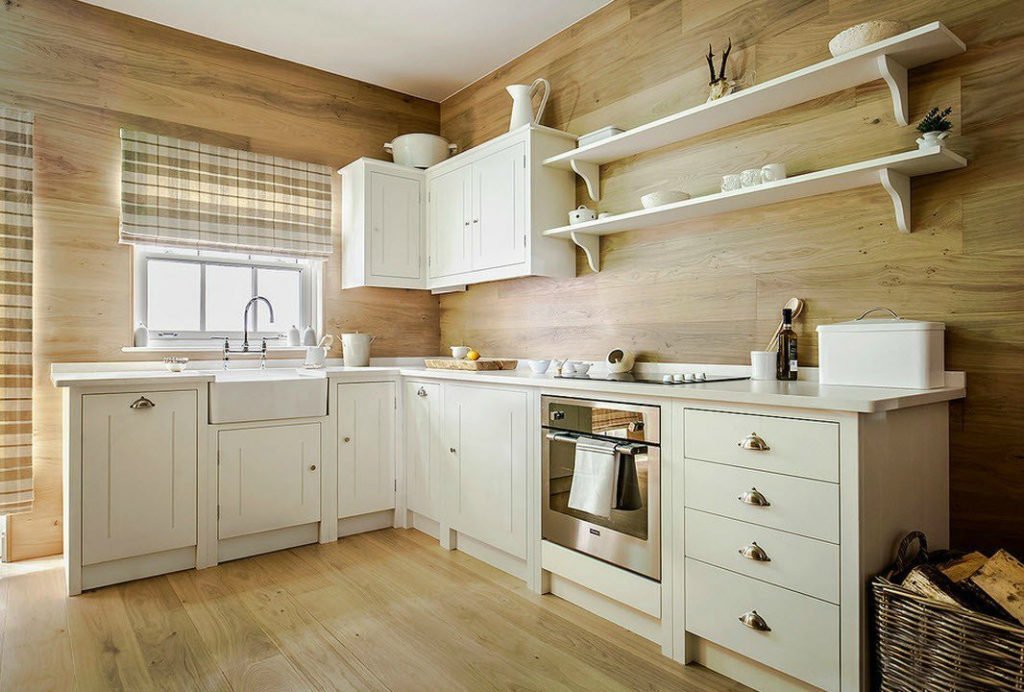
x: 315, y: 356
x: 731, y: 182
x: 762, y: 365
x: 772, y: 172
x: 750, y: 177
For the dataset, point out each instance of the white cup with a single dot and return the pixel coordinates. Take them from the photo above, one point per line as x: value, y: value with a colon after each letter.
x: 731, y: 182
x: 750, y: 177
x: 315, y: 356
x: 460, y: 352
x: 762, y: 365
x: 772, y: 172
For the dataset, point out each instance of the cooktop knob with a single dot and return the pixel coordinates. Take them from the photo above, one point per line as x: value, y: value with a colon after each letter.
x: 700, y: 377
x: 690, y: 377
x: 667, y: 379
x: 677, y: 378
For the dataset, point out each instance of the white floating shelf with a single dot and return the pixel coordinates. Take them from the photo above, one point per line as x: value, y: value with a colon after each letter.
x: 892, y: 172
x: 889, y: 60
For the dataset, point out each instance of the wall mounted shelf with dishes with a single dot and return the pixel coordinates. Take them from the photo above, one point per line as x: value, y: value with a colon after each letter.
x: 892, y: 172
x: 888, y: 59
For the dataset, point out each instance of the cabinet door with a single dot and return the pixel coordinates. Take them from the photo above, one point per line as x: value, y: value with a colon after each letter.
x: 449, y: 205
x: 366, y: 448
x: 499, y: 208
x: 394, y: 225
x: 423, y: 451
x: 269, y: 478
x: 486, y: 433
x: 139, y: 454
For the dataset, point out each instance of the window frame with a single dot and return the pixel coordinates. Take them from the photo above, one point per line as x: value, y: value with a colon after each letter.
x: 310, y: 298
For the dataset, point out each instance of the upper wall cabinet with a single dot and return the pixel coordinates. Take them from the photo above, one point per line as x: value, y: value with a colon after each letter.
x: 382, y: 226
x: 480, y: 220
x: 487, y: 207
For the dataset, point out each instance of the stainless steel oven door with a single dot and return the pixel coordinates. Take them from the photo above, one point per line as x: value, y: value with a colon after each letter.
x: 628, y: 538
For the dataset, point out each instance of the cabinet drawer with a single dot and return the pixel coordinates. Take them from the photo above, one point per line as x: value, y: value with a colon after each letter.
x: 797, y: 505
x: 794, y: 562
x: 804, y: 637
x: 797, y: 447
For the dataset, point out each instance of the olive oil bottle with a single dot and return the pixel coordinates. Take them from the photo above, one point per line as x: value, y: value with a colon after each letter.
x: 786, y: 368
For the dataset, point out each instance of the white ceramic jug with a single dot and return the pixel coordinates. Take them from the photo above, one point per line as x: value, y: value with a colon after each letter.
x: 355, y: 349
x: 522, y: 103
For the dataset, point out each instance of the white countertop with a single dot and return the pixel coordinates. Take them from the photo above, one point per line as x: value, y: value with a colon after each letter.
x: 806, y: 394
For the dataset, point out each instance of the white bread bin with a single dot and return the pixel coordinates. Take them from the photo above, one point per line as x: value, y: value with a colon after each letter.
x: 890, y: 352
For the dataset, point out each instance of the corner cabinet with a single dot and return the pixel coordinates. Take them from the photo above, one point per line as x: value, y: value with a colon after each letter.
x: 382, y: 239
x: 475, y: 217
x: 366, y: 448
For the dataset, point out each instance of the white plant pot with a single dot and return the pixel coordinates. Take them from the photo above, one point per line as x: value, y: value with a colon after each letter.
x: 931, y: 139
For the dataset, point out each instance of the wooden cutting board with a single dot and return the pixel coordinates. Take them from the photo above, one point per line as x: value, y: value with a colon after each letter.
x: 475, y: 365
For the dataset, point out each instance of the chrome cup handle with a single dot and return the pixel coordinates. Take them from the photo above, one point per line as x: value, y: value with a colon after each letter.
x: 141, y: 403
x: 754, y: 552
x: 754, y: 442
x: 755, y: 498
x: 421, y: 392
x: 754, y: 621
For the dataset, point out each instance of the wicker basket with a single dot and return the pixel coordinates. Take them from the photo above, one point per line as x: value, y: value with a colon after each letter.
x: 923, y: 644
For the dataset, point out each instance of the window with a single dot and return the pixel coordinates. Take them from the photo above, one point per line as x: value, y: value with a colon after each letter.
x: 190, y: 297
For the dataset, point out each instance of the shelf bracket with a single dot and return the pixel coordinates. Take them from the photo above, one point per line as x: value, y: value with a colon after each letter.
x: 591, y: 245
x: 898, y: 186
x: 895, y: 75
x: 591, y: 174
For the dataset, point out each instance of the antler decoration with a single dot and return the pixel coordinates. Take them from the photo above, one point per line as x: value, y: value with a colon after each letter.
x: 711, y: 64
x: 725, y: 59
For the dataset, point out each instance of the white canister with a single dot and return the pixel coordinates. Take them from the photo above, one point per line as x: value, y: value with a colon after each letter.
x: 316, y: 356
x: 294, y: 338
x: 355, y: 349
x: 889, y: 352
x: 763, y: 364
x: 581, y: 214
x: 308, y: 336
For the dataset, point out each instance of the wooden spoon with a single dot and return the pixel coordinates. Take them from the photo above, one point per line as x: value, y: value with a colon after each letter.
x: 796, y: 306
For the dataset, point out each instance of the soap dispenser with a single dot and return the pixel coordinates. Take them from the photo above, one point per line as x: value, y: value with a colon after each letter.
x: 308, y: 336
x: 141, y: 335
x: 293, y: 336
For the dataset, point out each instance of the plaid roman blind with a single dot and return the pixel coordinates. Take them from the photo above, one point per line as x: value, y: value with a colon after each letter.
x: 186, y: 194
x: 15, y: 311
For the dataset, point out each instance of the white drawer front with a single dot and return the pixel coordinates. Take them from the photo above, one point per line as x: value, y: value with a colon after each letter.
x: 804, y: 637
x: 798, y: 505
x: 795, y: 562
x: 797, y: 447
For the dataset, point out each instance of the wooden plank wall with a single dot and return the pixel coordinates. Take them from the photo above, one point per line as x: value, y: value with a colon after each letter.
x: 711, y: 290
x: 86, y: 72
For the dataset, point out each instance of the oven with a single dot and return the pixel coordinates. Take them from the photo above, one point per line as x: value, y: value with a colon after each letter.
x: 601, y: 476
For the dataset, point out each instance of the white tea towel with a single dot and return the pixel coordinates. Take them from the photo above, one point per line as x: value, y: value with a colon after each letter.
x: 594, y: 476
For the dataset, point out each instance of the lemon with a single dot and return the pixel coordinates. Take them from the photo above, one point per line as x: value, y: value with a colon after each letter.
x: 473, y: 355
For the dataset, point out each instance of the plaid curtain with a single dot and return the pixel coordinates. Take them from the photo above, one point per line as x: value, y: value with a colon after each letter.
x: 186, y: 194
x: 15, y: 311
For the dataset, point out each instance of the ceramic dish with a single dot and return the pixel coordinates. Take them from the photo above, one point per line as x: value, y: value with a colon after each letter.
x: 663, y: 197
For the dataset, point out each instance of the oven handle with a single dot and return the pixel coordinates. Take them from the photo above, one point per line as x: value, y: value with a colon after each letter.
x: 627, y: 448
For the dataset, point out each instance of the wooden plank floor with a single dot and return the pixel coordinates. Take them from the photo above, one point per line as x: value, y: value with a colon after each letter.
x: 388, y: 610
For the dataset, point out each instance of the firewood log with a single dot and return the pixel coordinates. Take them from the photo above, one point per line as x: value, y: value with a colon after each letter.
x: 962, y: 568
x: 1002, y: 579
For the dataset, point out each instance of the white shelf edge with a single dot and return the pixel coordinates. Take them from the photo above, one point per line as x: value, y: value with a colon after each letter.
x: 892, y: 172
x: 888, y: 59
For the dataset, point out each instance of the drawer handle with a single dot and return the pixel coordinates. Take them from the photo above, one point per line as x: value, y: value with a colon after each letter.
x: 421, y: 392
x: 754, y: 442
x: 754, y: 497
x: 754, y: 552
x: 754, y: 621
x: 141, y: 403
x: 312, y: 467
x: 452, y: 450
x: 346, y: 439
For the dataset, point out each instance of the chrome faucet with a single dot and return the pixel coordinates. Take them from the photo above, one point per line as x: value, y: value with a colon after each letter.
x: 245, y: 334
x: 245, y: 320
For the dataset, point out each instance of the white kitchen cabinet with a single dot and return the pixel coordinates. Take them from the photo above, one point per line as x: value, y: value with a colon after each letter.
x: 366, y: 448
x: 488, y: 206
x: 487, y: 435
x: 269, y: 478
x: 423, y: 448
x: 382, y: 225
x: 450, y: 206
x: 139, y: 454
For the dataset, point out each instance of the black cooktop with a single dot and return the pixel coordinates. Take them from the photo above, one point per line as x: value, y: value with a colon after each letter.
x: 677, y: 378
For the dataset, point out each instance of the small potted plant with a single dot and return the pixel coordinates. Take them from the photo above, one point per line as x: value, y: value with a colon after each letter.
x: 934, y: 128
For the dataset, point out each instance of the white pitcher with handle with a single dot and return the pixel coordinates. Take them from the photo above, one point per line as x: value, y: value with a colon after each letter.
x: 522, y: 103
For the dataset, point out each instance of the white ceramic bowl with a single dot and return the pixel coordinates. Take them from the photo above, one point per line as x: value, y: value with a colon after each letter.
x: 583, y: 368
x: 460, y: 352
x: 539, y: 366
x: 662, y: 197
x: 864, y: 35
x: 419, y: 150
